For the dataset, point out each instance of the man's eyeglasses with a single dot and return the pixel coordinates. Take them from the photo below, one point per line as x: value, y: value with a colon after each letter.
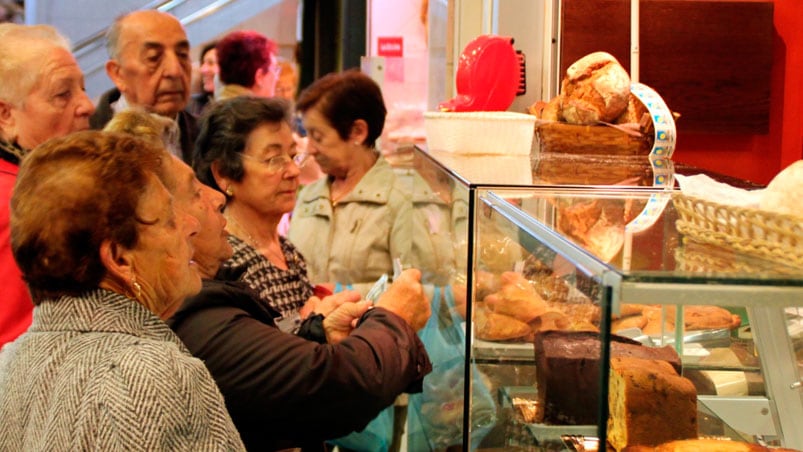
x: 278, y: 163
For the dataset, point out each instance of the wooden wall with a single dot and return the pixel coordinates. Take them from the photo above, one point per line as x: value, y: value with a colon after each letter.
x: 758, y: 157
x: 709, y: 60
x: 732, y: 69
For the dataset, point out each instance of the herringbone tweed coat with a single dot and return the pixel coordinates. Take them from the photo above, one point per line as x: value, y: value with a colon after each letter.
x: 101, y: 372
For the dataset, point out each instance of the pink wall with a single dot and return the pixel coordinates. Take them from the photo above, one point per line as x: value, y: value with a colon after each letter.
x: 759, y: 157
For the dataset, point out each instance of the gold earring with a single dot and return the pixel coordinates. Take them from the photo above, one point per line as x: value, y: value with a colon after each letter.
x: 137, y: 287
x: 229, y: 191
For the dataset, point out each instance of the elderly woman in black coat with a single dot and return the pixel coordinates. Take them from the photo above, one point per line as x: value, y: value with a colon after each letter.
x: 283, y: 390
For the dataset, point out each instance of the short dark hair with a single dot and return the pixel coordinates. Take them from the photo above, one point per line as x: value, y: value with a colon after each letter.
x: 206, y: 48
x: 344, y: 97
x: 71, y: 194
x: 241, y: 53
x: 224, y: 129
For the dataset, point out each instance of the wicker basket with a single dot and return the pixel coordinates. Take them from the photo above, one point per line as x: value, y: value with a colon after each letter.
x: 558, y: 137
x: 655, y: 132
x: 750, y: 231
x: 693, y: 256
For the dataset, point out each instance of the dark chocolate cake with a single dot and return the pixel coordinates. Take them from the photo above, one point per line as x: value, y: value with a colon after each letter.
x: 567, y: 372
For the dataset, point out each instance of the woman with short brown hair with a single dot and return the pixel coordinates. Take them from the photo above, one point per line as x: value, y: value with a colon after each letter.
x: 107, y: 256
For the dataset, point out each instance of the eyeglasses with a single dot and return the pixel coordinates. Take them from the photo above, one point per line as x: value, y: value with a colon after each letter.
x: 278, y: 163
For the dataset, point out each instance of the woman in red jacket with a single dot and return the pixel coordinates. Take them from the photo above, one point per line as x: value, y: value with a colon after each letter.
x: 41, y: 96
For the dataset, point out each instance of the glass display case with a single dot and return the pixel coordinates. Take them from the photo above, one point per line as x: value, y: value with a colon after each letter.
x: 529, y: 267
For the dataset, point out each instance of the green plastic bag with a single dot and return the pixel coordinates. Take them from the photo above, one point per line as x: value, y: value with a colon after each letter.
x: 375, y: 437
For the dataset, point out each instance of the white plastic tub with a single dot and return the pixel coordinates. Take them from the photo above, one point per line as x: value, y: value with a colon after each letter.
x: 483, y: 132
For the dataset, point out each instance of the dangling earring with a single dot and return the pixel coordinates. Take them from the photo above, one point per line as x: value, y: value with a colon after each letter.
x: 137, y: 287
x: 229, y: 191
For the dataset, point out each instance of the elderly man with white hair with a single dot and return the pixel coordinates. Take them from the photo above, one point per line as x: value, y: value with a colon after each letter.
x: 41, y: 96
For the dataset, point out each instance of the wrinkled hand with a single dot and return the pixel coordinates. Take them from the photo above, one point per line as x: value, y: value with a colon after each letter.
x: 339, y: 323
x: 309, y: 307
x: 328, y: 304
x: 405, y: 298
x: 332, y: 302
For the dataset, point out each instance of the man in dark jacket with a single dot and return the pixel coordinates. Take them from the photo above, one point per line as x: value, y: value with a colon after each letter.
x: 150, y: 65
x: 284, y: 390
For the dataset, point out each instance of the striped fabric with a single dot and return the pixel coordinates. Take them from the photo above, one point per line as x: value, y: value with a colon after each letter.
x: 101, y: 372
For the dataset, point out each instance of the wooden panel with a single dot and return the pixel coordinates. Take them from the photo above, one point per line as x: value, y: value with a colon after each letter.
x: 709, y: 60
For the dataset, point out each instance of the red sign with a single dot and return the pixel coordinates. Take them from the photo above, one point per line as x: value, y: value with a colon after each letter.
x: 390, y: 46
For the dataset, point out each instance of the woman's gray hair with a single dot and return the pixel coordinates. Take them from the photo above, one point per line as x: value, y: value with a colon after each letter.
x: 22, y: 56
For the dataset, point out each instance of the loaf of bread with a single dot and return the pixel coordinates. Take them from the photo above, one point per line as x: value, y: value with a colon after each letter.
x: 649, y: 403
x: 596, y: 88
x: 635, y: 113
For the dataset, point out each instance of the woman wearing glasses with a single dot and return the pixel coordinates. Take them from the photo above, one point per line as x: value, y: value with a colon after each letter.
x: 246, y: 150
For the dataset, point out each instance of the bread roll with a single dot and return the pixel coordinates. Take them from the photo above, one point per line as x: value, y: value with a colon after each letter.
x: 550, y: 320
x: 694, y: 318
x: 517, y: 298
x: 784, y: 194
x: 551, y: 111
x: 497, y: 327
x: 633, y: 321
x: 595, y: 88
x: 634, y: 113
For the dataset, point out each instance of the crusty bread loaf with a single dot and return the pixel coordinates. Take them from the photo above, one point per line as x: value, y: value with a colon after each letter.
x: 596, y: 88
x: 634, y: 113
x: 649, y: 403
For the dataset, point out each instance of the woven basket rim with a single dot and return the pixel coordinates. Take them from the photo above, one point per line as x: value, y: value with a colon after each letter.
x: 758, y: 232
x: 738, y: 209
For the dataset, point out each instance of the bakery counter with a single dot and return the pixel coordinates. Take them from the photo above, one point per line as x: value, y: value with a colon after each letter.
x: 589, y: 248
x: 598, y: 263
